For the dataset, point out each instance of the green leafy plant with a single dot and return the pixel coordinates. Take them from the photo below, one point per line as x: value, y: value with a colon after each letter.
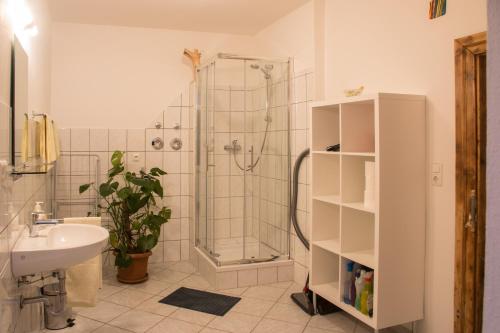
x: 131, y: 201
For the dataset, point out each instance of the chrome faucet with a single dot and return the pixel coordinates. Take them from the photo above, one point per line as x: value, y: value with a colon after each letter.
x: 39, y: 217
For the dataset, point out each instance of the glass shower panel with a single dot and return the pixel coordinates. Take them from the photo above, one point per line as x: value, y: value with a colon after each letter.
x: 243, y: 160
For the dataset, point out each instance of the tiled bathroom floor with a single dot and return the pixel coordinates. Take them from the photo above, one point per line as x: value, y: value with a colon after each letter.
x: 266, y: 308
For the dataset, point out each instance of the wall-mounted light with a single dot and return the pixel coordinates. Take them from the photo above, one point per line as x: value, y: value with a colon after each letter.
x: 21, y: 18
x: 31, y: 30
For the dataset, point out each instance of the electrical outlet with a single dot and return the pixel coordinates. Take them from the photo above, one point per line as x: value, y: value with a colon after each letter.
x: 437, y: 174
x: 136, y: 157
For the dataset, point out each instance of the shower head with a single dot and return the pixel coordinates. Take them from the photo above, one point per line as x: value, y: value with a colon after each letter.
x: 266, y: 70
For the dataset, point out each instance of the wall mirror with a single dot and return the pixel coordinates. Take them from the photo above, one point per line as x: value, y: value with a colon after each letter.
x: 24, y: 151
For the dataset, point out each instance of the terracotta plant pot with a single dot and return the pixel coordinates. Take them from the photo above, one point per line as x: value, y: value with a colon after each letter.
x: 137, y: 272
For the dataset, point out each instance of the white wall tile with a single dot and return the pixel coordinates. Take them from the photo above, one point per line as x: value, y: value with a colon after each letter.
x: 136, y: 140
x: 268, y: 275
x: 80, y: 140
x: 237, y: 100
x: 98, y: 140
x: 247, y: 277
x: 172, y: 116
x: 285, y: 273
x: 117, y: 139
x: 172, y: 230
x: 172, y: 250
x: 65, y: 139
x: 226, y: 280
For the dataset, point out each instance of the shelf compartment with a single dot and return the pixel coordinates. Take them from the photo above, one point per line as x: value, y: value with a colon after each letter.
x: 331, y: 245
x: 330, y: 199
x: 358, y: 236
x: 326, y: 175
x: 325, y: 121
x: 359, y: 206
x: 326, y: 221
x: 325, y: 273
x: 342, y: 286
x: 353, y: 180
x: 358, y: 126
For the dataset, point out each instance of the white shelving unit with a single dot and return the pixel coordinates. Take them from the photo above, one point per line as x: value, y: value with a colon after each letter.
x: 388, y: 129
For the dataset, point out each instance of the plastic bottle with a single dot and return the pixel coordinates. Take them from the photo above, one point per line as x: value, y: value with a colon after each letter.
x: 359, y: 287
x: 367, y: 290
x: 348, y: 282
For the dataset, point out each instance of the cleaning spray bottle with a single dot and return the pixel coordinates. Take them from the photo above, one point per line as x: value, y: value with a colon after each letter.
x: 359, y: 287
x: 367, y: 290
x: 348, y: 282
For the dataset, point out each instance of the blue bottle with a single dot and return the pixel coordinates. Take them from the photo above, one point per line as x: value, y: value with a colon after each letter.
x: 349, y: 281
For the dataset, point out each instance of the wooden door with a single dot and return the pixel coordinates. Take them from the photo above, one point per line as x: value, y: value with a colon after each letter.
x: 470, y: 90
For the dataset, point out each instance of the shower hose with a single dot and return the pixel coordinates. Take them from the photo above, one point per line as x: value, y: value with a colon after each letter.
x: 295, y: 191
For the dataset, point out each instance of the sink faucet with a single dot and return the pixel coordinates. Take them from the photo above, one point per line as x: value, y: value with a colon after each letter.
x: 39, y: 217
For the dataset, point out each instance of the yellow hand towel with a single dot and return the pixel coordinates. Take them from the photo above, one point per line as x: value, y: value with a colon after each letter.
x: 83, y: 280
x: 40, y: 128
x: 57, y: 144
x: 25, y: 140
x: 50, y: 141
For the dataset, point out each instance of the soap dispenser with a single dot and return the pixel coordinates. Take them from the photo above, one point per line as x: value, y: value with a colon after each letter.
x: 38, y: 212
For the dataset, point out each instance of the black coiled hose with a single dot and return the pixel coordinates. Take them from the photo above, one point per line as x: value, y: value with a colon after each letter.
x: 295, y: 191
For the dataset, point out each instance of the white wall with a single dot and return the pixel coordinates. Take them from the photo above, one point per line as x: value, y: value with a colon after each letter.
x: 492, y: 269
x: 290, y: 36
x: 120, y: 77
x: 17, y: 198
x: 391, y: 46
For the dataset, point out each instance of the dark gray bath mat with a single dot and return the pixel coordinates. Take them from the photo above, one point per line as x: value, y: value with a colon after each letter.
x: 202, y: 301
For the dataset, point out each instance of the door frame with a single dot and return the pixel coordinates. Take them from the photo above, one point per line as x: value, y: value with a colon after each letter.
x: 470, y: 176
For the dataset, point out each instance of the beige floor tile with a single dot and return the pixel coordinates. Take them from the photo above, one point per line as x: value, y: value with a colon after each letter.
x: 362, y: 328
x: 264, y: 292
x: 195, y: 317
x: 276, y: 326
x: 169, y: 325
x: 337, y: 322
x: 103, y: 311
x: 153, y: 305
x: 282, y: 285
x: 211, y: 330
x: 310, y: 329
x: 229, y: 292
x: 169, y: 275
x: 110, y: 329
x: 151, y: 286
x: 289, y: 313
x: 196, y: 282
x: 253, y: 306
x: 108, y: 290
x: 286, y: 299
x: 235, y: 322
x: 184, y: 267
x: 136, y: 321
x: 128, y: 297
x: 82, y: 325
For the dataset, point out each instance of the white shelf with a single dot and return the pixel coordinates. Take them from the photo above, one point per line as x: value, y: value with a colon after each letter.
x: 324, y: 152
x: 332, y: 245
x: 358, y: 154
x: 358, y: 206
x: 363, y: 257
x: 388, y: 130
x: 331, y: 199
x: 331, y: 289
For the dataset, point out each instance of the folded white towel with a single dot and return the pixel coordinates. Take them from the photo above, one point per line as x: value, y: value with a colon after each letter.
x: 83, y: 280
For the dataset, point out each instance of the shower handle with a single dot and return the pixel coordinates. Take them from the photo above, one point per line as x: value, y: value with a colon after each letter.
x: 251, y: 166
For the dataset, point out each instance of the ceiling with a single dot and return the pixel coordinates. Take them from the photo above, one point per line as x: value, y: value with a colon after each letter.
x: 223, y: 16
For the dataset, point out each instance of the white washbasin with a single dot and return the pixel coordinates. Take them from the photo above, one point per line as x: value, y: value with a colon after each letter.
x: 63, y: 246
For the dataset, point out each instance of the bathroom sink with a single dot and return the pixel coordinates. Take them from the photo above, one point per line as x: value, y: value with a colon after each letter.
x: 60, y: 247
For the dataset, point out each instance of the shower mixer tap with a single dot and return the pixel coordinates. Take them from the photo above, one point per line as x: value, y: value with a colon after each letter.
x: 233, y: 147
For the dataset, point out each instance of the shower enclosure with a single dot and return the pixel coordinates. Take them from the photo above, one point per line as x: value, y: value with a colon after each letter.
x: 243, y: 159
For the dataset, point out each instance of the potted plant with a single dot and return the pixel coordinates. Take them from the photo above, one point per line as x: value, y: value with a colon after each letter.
x: 130, y: 199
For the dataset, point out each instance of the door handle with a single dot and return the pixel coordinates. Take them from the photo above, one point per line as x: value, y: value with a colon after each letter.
x: 472, y: 218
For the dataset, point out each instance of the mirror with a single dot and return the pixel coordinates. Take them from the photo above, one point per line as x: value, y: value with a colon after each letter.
x: 19, y: 100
